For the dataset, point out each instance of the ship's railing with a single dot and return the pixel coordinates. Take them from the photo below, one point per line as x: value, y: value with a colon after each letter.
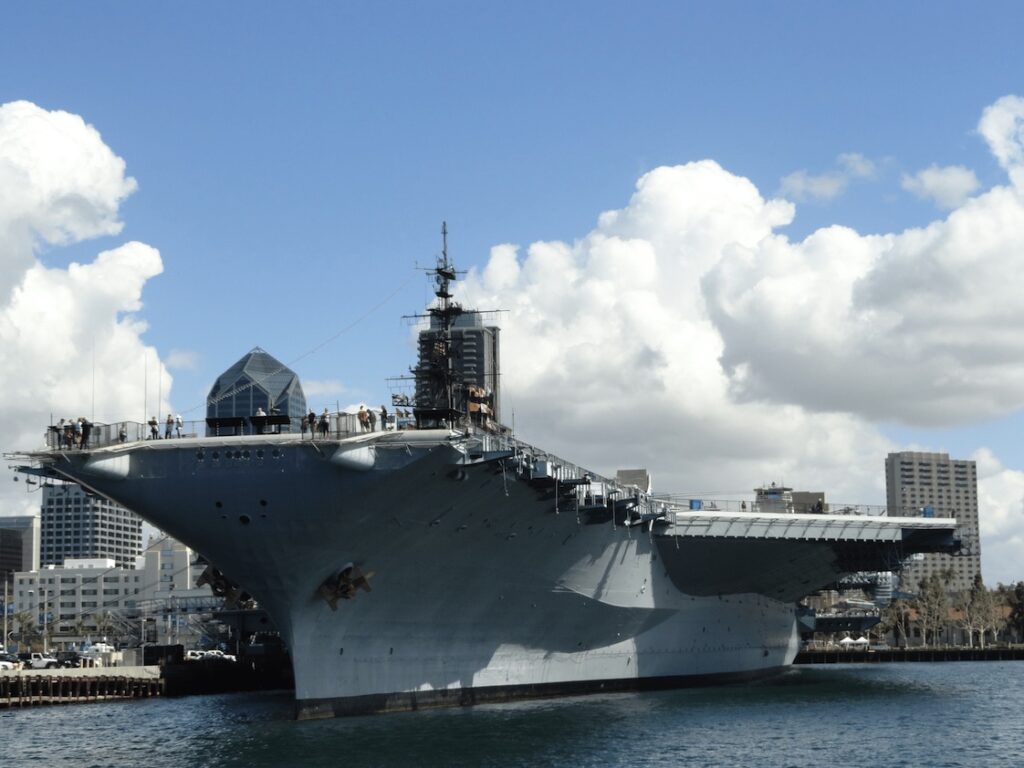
x: 528, y: 458
x: 534, y: 460
x: 693, y: 503
x: 67, y: 436
x: 535, y: 464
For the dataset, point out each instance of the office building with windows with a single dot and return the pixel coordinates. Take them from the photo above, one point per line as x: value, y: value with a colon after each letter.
x: 92, y: 595
x: 932, y: 484
x: 257, y: 381
x: 76, y: 524
x: 19, y: 544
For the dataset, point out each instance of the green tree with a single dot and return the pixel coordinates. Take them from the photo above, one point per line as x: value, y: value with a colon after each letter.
x: 967, y: 618
x: 896, y: 619
x: 1015, y: 599
x: 932, y: 607
x: 986, y: 609
x: 979, y: 611
x: 26, y: 623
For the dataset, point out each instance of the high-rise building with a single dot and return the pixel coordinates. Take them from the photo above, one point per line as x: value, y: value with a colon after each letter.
x: 932, y: 484
x: 257, y: 381
x: 76, y: 524
x: 19, y: 544
x: 475, y: 354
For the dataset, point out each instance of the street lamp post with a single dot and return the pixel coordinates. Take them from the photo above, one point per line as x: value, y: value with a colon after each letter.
x: 3, y: 640
x: 42, y: 592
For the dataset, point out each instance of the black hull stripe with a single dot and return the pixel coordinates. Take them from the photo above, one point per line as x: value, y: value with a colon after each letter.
x: 380, y: 703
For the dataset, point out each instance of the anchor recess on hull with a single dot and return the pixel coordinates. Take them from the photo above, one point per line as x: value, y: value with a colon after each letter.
x: 221, y: 586
x: 343, y: 584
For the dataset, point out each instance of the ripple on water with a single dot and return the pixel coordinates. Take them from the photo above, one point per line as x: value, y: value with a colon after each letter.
x: 954, y: 714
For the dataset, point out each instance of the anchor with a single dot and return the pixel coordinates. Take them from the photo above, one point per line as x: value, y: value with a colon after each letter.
x: 343, y: 584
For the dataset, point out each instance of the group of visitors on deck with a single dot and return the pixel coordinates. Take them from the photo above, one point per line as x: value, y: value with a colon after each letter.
x: 172, y: 427
x: 367, y: 417
x: 72, y: 433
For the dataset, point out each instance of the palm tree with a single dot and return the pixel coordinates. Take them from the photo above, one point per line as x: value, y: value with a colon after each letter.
x: 79, y: 628
x: 26, y: 621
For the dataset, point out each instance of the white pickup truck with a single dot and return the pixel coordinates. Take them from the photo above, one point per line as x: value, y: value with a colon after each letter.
x: 42, y: 661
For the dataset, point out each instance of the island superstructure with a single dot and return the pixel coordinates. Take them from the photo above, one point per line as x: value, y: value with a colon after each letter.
x: 454, y: 563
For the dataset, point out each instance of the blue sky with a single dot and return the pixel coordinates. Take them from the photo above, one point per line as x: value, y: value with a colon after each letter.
x: 294, y: 161
x: 321, y: 144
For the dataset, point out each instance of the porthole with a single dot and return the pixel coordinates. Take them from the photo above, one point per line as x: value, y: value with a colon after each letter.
x: 238, y: 454
x: 259, y: 453
x: 243, y: 519
x: 218, y: 504
x: 216, y: 455
x: 263, y: 502
x: 200, y: 454
x: 245, y: 454
x: 276, y: 453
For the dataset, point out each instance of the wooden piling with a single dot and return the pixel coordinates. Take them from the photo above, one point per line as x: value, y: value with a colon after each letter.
x: 30, y: 688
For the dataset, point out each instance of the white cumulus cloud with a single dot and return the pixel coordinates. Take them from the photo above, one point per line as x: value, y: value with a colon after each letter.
x: 1002, y: 126
x: 947, y: 187
x: 1001, y: 505
x: 321, y: 388
x: 801, y: 185
x: 182, y: 359
x: 59, y: 184
x: 685, y: 334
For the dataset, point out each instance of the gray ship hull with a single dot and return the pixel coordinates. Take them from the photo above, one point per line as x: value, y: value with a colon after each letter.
x: 484, y: 586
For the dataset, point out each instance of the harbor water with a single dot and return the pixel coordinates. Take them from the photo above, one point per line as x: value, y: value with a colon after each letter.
x: 925, y: 714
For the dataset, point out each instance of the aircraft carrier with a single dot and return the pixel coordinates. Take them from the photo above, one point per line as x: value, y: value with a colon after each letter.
x: 451, y: 563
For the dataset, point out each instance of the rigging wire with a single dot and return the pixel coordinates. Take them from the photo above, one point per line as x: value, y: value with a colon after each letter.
x: 304, y: 355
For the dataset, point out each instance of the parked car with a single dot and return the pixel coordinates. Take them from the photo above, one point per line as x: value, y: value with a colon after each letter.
x: 7, y: 665
x: 219, y: 655
x: 69, y: 659
x: 11, y: 659
x: 42, y: 661
x: 194, y: 655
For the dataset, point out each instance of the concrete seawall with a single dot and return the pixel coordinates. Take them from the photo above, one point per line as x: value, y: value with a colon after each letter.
x: 839, y: 656
x: 31, y: 687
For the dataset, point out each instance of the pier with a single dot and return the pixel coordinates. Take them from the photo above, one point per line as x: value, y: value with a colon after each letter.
x: 26, y: 688
x: 880, y: 656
